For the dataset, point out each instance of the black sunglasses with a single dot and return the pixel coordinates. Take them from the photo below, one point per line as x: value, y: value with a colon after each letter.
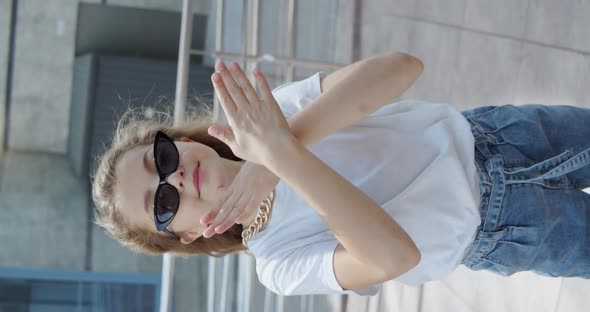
x: 166, y: 199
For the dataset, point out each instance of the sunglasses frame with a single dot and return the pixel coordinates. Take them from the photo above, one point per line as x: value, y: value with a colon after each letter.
x: 161, y: 226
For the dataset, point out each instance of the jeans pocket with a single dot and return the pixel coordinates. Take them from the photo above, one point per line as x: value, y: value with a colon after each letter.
x: 515, y: 250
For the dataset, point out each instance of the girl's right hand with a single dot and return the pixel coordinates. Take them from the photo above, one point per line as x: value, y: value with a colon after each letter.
x: 257, y: 124
x: 242, y: 200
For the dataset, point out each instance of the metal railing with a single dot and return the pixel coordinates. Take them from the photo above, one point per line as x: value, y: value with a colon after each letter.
x: 248, y: 59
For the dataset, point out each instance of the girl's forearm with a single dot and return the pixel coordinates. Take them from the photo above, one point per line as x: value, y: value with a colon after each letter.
x: 362, y: 227
x: 367, y: 86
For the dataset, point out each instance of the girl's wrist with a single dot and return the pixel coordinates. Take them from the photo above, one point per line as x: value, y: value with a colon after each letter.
x: 269, y: 175
x: 275, y: 144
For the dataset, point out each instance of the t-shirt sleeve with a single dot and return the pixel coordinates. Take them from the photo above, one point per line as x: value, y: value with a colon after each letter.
x: 306, y: 270
x: 294, y: 96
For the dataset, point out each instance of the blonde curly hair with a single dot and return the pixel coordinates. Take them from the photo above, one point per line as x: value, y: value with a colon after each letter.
x: 138, y: 127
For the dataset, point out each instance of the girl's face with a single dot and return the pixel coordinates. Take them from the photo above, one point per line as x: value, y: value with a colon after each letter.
x: 137, y: 181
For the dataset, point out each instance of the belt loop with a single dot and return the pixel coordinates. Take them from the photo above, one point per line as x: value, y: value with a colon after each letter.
x: 494, y: 162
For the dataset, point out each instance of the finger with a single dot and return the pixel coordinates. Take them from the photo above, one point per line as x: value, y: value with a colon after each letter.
x: 222, y: 219
x: 232, y: 86
x: 229, y: 219
x: 214, y: 216
x: 223, y: 134
x: 228, y: 105
x: 209, y: 217
x: 250, y: 211
x: 225, y: 210
x: 244, y: 82
x: 205, y: 219
x: 265, y: 91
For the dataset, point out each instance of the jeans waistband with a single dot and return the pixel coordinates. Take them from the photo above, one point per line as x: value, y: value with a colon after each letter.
x: 485, y: 183
x: 484, y: 190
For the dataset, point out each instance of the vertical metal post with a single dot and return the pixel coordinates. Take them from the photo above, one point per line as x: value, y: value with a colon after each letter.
x: 186, y: 30
x: 243, y: 302
x: 267, y: 299
x: 309, y: 307
x: 254, y: 40
x: 292, y: 40
x: 167, y: 279
x: 291, y: 34
x: 186, y: 26
x: 250, y: 46
x: 211, y: 284
x: 219, y: 32
x: 243, y: 292
x: 223, y: 298
x: 245, y: 16
x: 219, y: 116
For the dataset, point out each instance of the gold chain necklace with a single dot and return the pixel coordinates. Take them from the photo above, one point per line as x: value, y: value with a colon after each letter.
x: 264, y: 213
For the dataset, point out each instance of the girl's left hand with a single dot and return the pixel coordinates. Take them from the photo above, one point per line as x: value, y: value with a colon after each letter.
x: 257, y: 126
x: 243, y: 198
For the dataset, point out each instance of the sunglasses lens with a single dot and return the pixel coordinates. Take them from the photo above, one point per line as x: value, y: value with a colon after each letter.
x: 166, y: 156
x: 167, y: 202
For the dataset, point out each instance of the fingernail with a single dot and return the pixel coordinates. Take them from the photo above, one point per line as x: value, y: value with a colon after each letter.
x: 256, y: 71
x: 234, y: 65
x: 215, y: 77
x: 220, y: 66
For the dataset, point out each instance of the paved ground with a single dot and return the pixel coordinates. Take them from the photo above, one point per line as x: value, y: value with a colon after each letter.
x: 486, y: 53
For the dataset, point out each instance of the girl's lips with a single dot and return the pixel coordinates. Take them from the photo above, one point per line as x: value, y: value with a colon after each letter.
x: 196, y: 179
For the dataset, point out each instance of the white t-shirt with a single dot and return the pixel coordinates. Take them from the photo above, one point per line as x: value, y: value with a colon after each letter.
x: 413, y: 158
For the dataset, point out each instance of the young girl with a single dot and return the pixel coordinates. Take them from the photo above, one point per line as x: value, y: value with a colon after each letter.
x: 354, y: 190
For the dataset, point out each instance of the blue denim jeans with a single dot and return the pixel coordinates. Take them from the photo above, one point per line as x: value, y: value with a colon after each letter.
x: 532, y: 160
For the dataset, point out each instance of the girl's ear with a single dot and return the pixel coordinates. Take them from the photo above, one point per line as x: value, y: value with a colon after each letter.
x: 188, y: 237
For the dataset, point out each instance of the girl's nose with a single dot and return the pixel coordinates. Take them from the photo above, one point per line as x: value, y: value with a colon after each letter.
x: 176, y: 179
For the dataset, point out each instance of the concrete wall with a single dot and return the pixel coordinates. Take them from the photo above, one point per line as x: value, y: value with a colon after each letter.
x: 43, y: 60
x: 44, y: 212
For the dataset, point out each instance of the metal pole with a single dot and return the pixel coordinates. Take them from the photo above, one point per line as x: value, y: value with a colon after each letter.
x: 291, y: 35
x: 219, y: 21
x: 309, y: 307
x: 245, y: 16
x: 271, y: 59
x: 249, y: 46
x: 242, y: 291
x: 211, y: 284
x: 179, y: 116
x: 267, y: 299
x: 212, y: 267
x: 167, y: 279
x: 186, y: 29
x: 254, y: 42
x: 223, y: 298
x: 241, y: 286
